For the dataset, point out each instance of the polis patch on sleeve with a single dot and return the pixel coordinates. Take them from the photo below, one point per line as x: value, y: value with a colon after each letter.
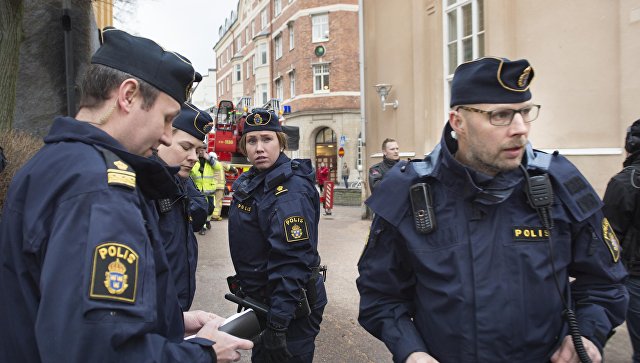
x: 114, y: 273
x: 295, y: 229
x: 611, y: 240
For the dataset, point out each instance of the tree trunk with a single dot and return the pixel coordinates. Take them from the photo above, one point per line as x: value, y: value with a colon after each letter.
x: 11, y: 12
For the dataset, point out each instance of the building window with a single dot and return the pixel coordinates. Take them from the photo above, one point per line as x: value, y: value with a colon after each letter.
x: 278, y: 46
x: 464, y: 28
x: 320, y: 25
x: 277, y: 7
x: 320, y: 78
x: 238, y: 73
x: 253, y: 28
x: 247, y: 69
x: 291, y: 37
x: 238, y: 43
x: 246, y: 36
x: 292, y: 84
x: 262, y: 93
x: 262, y: 54
x: 263, y: 19
x: 279, y: 90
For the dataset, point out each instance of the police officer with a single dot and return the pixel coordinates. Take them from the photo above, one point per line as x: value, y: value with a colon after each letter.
x: 84, y: 274
x: 622, y: 208
x: 273, y: 239
x: 390, y: 157
x: 203, y: 175
x: 186, y: 211
x: 462, y: 268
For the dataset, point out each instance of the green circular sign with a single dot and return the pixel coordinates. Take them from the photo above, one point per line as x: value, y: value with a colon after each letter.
x: 319, y: 51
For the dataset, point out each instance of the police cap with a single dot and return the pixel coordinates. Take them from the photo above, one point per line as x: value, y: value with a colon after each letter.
x: 193, y: 121
x: 491, y: 80
x: 261, y: 119
x: 168, y: 71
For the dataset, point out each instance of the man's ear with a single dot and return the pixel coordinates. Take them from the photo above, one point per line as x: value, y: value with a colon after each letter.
x: 456, y: 121
x: 127, y: 93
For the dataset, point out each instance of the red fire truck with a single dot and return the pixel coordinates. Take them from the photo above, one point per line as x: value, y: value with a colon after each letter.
x: 225, y: 137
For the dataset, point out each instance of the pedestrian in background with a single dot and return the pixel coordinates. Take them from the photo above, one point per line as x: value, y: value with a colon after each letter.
x: 390, y: 157
x: 345, y: 174
x: 273, y: 239
x: 202, y: 174
x: 220, y: 180
x: 186, y: 210
x: 84, y: 272
x: 622, y: 208
x: 459, y: 265
x: 322, y: 176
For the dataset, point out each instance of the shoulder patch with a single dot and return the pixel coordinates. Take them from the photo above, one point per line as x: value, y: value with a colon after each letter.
x: 280, y: 189
x: 114, y: 273
x: 611, y: 240
x: 295, y: 229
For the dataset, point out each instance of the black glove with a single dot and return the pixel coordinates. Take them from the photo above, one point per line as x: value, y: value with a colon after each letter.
x: 274, y: 343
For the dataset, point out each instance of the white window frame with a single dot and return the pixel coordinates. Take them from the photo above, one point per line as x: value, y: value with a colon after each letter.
x: 238, y: 43
x: 262, y: 54
x: 263, y: 19
x: 320, y: 72
x: 246, y: 36
x: 247, y: 69
x: 238, y: 71
x: 262, y: 93
x: 292, y: 37
x: 278, y: 46
x: 456, y: 42
x: 292, y: 84
x: 253, y: 28
x: 277, y: 7
x: 279, y: 89
x: 320, y: 27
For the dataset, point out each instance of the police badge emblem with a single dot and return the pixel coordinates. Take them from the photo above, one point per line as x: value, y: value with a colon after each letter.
x: 114, y: 273
x: 295, y: 229
x: 116, y: 278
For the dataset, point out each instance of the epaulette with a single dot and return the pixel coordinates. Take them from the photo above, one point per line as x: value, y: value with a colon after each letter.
x: 573, y: 189
x: 119, y: 173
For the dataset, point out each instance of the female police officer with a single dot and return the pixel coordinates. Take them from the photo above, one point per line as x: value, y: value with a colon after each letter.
x: 273, y: 238
x: 186, y: 209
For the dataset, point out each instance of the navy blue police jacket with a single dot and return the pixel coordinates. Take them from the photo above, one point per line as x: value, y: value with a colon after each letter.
x: 188, y: 211
x: 84, y: 273
x: 273, y: 235
x: 480, y: 287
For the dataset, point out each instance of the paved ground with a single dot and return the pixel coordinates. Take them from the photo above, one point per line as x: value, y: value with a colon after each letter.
x: 341, y: 339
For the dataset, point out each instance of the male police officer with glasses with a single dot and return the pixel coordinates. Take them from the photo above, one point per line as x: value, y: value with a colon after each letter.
x: 84, y: 275
x: 459, y: 265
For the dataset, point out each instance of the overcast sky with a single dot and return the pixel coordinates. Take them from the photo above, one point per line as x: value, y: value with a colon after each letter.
x: 189, y: 27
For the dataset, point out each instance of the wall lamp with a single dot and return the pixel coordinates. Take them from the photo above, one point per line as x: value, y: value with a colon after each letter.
x: 383, y: 90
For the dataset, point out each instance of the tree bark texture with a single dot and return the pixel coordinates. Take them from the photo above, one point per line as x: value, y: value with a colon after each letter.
x: 11, y: 13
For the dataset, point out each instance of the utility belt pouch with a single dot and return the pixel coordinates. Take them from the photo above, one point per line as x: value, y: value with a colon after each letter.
x: 312, y: 289
x: 303, y: 309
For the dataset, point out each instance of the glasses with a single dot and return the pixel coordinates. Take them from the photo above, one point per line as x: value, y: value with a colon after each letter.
x: 504, y: 117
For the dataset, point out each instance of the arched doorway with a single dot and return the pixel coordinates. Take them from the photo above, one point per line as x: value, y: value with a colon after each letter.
x: 326, y: 151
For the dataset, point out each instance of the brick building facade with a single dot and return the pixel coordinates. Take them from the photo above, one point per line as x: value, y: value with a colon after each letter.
x: 303, y: 53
